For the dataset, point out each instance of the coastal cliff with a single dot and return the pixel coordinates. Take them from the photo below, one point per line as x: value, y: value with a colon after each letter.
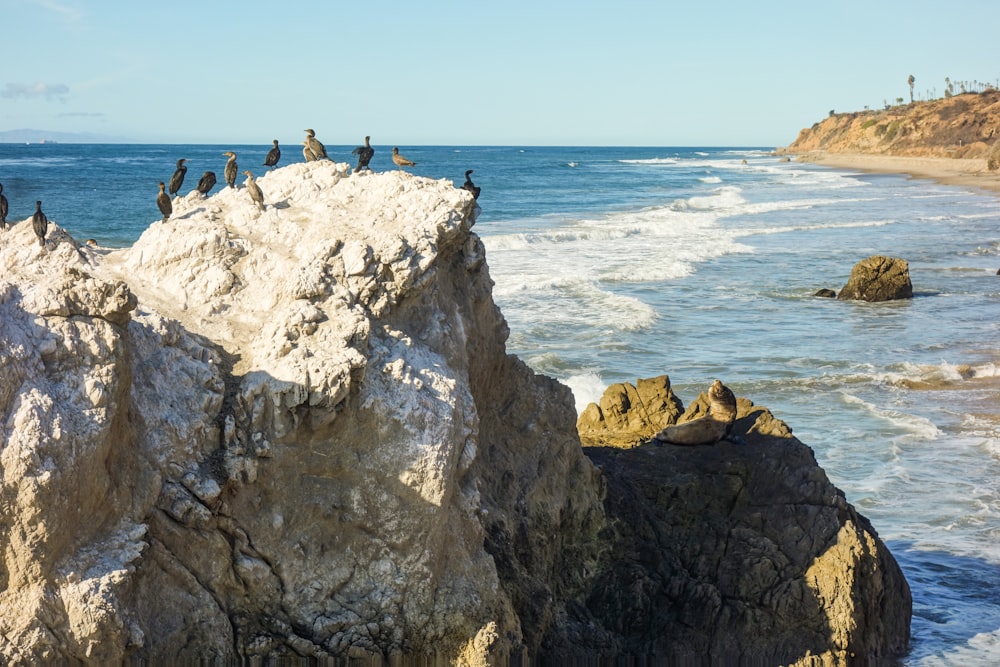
x: 297, y: 433
x: 963, y: 126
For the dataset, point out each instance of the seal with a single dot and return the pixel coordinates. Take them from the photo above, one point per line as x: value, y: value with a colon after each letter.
x: 709, y: 429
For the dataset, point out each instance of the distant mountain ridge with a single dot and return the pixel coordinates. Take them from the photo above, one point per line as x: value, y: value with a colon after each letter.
x: 961, y: 126
x: 28, y: 135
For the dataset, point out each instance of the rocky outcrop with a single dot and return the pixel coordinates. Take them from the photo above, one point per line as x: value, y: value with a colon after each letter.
x: 878, y: 278
x: 962, y: 126
x: 297, y: 433
x: 739, y: 554
x: 629, y: 413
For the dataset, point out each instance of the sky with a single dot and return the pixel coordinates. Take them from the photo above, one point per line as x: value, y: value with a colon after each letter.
x: 623, y: 72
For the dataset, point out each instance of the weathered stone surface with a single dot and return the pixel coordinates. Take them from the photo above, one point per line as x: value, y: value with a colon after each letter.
x: 738, y: 554
x: 878, y: 278
x: 297, y: 433
x: 629, y: 413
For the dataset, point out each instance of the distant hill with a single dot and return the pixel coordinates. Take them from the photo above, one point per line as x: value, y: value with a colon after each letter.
x: 962, y: 126
x: 28, y: 135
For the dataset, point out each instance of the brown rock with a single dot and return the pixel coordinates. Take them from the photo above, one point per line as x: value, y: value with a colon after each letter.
x: 878, y: 278
x: 628, y: 414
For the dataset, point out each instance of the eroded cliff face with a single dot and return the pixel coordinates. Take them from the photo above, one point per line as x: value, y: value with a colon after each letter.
x: 294, y: 433
x: 963, y: 126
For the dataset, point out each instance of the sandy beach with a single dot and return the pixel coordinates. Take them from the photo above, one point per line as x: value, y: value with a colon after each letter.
x: 949, y: 171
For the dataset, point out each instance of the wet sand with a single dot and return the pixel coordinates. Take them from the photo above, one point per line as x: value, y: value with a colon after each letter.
x: 962, y: 172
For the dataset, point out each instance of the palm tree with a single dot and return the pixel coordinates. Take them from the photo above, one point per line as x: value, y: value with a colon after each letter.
x: 911, y: 81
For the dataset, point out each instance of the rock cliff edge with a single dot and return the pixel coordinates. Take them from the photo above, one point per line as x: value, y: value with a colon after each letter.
x: 297, y: 432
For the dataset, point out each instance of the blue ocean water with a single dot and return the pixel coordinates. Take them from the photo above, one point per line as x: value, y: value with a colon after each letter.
x: 617, y: 263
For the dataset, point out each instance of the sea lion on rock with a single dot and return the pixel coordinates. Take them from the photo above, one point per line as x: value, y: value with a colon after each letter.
x: 711, y: 428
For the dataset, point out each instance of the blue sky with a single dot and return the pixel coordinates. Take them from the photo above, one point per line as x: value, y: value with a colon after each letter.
x: 474, y: 72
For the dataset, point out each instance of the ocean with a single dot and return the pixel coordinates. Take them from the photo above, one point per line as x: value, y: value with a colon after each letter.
x: 613, y: 264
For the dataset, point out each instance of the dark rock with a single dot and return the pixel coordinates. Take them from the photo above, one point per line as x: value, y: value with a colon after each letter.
x: 826, y: 293
x: 878, y: 278
x: 735, y: 554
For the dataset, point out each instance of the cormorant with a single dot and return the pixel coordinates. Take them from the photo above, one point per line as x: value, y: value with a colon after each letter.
x: 273, y: 155
x: 4, y: 207
x: 364, y: 154
x: 400, y: 160
x: 254, y: 190
x: 163, y: 201
x: 41, y: 224
x: 178, y: 178
x: 470, y: 186
x: 206, y: 183
x: 230, y: 171
x: 314, y: 149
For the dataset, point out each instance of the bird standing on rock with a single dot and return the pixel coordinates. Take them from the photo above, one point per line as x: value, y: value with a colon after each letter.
x: 273, y: 156
x: 230, y: 170
x: 4, y: 207
x: 206, y: 183
x: 255, y: 192
x: 163, y: 201
x: 365, y: 154
x: 400, y: 160
x: 178, y: 178
x: 470, y: 186
x: 314, y: 148
x: 40, y: 223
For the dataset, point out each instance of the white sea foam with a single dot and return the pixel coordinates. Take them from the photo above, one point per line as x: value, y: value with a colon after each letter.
x: 655, y: 160
x: 710, y: 179
x: 586, y: 387
x: 902, y: 426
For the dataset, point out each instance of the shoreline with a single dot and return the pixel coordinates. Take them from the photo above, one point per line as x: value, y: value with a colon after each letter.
x: 947, y: 171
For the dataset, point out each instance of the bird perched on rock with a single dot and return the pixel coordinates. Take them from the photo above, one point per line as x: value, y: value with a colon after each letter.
x: 163, y: 201
x: 178, y: 178
x: 4, y: 207
x: 230, y: 170
x: 255, y: 192
x: 273, y: 155
x: 470, y: 186
x: 364, y: 154
x: 400, y: 160
x: 314, y: 149
x: 41, y: 224
x: 206, y: 183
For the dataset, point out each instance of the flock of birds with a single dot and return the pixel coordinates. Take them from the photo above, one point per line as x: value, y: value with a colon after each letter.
x: 312, y: 150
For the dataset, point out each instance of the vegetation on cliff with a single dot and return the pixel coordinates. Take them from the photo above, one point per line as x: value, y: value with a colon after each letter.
x: 966, y: 125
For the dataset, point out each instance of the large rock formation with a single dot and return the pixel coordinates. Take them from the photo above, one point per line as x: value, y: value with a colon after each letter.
x: 963, y: 126
x: 297, y: 433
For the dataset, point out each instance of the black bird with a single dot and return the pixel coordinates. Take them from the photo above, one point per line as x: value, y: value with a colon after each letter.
x: 178, y: 178
x: 255, y: 192
x: 400, y: 160
x: 273, y: 155
x: 163, y: 201
x: 230, y: 171
x: 470, y: 186
x: 364, y: 154
x: 206, y: 183
x: 40, y: 223
x: 314, y: 148
x: 3, y: 209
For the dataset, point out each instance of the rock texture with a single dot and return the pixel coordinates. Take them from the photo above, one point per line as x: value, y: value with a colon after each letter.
x: 296, y: 432
x: 739, y: 554
x: 878, y: 278
x: 963, y: 126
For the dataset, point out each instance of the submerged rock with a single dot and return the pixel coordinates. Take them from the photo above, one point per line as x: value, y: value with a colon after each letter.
x: 878, y: 278
x: 296, y: 433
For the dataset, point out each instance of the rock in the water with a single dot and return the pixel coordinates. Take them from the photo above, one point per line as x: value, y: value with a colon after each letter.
x: 826, y: 293
x: 878, y: 278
